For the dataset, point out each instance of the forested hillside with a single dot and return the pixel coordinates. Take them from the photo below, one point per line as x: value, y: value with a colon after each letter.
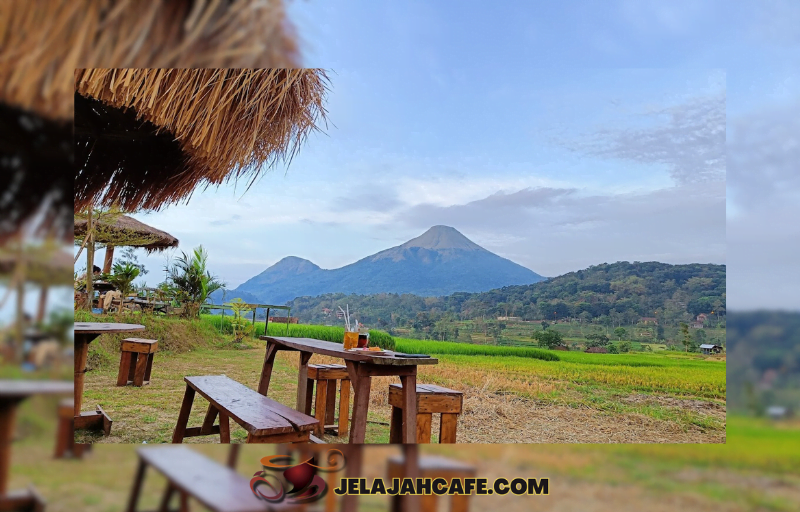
x: 611, y: 294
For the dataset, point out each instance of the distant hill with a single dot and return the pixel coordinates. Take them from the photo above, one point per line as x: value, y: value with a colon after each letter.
x: 619, y: 293
x: 441, y: 261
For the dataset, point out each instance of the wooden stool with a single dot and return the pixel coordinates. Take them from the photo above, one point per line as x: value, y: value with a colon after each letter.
x: 433, y: 467
x: 136, y: 361
x: 430, y: 399
x: 326, y: 377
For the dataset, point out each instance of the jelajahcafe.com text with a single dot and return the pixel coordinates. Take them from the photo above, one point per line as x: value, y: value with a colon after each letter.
x: 440, y: 486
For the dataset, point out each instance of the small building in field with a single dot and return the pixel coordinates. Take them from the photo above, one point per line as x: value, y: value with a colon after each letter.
x: 649, y: 320
x: 709, y: 349
x: 597, y: 350
x: 283, y: 319
x: 696, y: 325
x: 561, y: 347
x: 509, y: 318
x: 702, y: 317
x: 777, y: 412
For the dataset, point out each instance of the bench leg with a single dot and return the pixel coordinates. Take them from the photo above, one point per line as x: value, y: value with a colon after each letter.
x: 64, y: 437
x: 344, y: 407
x: 184, y: 502
x: 141, y: 370
x: 132, y: 367
x: 169, y: 492
x: 395, y: 426
x: 208, y: 422
x: 183, y: 417
x: 424, y: 427
x: 330, y: 406
x: 133, y: 501
x: 448, y: 427
x: 319, y: 407
x: 124, y: 369
x: 309, y: 396
x: 224, y: 429
x: 149, y: 367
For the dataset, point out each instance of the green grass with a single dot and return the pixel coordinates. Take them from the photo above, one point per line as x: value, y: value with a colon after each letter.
x: 446, y: 347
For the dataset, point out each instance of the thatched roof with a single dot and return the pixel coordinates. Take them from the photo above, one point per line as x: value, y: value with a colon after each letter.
x: 43, y: 267
x: 125, y: 231
x: 145, y: 138
x: 44, y: 41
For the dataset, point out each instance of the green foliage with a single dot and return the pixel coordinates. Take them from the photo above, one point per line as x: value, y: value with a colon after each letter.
x: 123, y: 277
x: 685, y: 336
x: 193, y: 282
x: 596, y: 340
x: 548, y: 338
x: 619, y: 332
x: 612, y: 349
x: 240, y: 325
x: 625, y: 347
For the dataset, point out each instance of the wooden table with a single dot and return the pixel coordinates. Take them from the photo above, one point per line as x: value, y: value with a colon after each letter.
x: 85, y: 333
x: 12, y: 392
x: 361, y: 367
x: 154, y: 305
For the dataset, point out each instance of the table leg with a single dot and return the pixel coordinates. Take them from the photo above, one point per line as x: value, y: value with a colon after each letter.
x: 354, y: 454
x: 409, y: 429
x: 302, y: 381
x: 410, y: 503
x: 137, y: 486
x: 7, y: 413
x: 266, y: 370
x: 81, y: 353
x: 361, y: 387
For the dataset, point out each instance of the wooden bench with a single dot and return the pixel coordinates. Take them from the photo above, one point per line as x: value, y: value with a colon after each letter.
x: 264, y: 419
x: 433, y: 467
x: 326, y: 377
x: 136, y: 361
x: 431, y: 399
x: 191, y: 475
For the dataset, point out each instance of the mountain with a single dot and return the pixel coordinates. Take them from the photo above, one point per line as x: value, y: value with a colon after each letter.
x: 438, y: 262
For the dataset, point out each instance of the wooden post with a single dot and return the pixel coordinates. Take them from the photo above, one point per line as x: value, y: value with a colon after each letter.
x: 89, y: 260
x: 42, y: 310
x: 109, y: 259
x: 7, y: 413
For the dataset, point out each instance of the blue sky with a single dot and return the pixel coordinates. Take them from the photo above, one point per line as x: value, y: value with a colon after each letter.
x: 556, y: 135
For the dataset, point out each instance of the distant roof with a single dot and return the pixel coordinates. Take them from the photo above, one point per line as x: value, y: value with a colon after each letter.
x: 709, y: 346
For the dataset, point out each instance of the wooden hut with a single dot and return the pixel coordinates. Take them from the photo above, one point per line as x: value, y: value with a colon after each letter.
x: 596, y: 350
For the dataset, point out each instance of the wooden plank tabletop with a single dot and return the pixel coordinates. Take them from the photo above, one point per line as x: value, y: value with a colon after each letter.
x: 329, y: 348
x: 258, y: 414
x: 103, y: 328
x: 215, y: 486
x: 25, y: 388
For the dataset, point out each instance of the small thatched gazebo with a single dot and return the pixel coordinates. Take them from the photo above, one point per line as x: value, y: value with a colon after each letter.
x: 42, y: 42
x: 145, y: 138
x: 119, y: 230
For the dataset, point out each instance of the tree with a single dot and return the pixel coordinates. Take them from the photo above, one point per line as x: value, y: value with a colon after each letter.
x: 687, y: 339
x: 625, y: 346
x: 548, y: 339
x: 619, y: 332
x: 596, y: 340
x: 545, y: 325
x: 659, y: 332
x: 128, y: 257
x: 612, y: 349
x: 122, y: 278
x: 192, y: 280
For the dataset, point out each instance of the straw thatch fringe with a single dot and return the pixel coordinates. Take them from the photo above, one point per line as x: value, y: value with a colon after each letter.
x: 228, y: 123
x: 43, y: 41
x: 124, y: 231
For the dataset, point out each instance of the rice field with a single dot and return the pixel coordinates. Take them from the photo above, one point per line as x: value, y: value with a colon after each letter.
x: 446, y: 347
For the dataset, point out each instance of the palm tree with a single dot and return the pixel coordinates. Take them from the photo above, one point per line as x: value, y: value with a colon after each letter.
x: 192, y: 281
